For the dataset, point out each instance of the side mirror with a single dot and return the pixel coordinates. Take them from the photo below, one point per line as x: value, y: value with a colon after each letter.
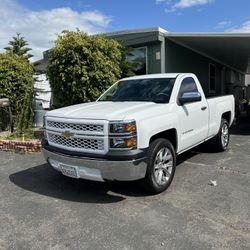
x: 190, y: 97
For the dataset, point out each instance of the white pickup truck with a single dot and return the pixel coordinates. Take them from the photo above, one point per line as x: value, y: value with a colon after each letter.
x: 136, y: 129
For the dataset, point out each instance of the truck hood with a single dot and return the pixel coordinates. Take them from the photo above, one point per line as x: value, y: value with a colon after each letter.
x: 106, y: 110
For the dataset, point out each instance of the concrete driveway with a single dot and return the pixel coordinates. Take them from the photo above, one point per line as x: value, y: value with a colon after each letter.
x: 41, y: 209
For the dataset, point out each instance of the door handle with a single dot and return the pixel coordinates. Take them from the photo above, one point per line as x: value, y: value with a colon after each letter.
x: 203, y: 108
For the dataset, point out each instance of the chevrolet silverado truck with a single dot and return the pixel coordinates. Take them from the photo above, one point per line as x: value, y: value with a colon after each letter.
x: 136, y: 129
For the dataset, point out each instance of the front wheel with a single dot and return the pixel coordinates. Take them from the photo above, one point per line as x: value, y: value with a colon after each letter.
x: 161, y: 166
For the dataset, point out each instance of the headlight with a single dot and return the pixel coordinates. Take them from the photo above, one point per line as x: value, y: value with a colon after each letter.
x: 123, y: 135
x: 122, y: 127
x: 123, y: 142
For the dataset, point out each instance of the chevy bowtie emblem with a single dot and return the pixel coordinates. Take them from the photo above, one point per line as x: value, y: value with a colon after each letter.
x: 67, y: 133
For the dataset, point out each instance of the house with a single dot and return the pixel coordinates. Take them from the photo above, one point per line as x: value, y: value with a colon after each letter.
x: 220, y: 60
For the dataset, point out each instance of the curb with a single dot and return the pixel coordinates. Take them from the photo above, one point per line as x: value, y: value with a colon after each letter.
x: 20, y: 147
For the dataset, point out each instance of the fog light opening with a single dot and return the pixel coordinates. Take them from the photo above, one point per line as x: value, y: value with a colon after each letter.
x: 53, y: 163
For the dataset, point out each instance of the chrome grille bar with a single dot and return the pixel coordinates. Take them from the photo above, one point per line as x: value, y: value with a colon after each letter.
x: 76, y: 143
x: 75, y: 126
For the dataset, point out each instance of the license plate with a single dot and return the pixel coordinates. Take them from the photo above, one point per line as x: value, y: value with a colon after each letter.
x: 69, y: 171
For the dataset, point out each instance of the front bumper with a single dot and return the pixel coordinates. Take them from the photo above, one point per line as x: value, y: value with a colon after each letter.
x: 99, y: 169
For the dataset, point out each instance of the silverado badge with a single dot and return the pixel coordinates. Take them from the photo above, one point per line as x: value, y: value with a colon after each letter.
x: 67, y: 133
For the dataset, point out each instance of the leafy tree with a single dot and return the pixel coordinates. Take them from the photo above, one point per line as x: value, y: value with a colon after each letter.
x: 17, y: 84
x: 18, y: 47
x: 82, y: 66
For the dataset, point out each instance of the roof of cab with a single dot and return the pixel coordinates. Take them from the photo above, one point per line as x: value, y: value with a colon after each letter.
x: 149, y: 76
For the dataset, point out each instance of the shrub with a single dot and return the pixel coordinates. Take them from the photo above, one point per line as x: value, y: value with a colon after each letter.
x: 17, y: 84
x: 81, y: 67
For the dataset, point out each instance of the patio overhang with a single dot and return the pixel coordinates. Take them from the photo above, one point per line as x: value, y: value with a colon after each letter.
x: 229, y: 49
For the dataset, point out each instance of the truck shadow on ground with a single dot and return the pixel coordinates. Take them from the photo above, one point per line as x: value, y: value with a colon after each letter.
x: 44, y: 180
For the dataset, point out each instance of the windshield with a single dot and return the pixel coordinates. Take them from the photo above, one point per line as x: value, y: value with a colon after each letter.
x: 140, y: 90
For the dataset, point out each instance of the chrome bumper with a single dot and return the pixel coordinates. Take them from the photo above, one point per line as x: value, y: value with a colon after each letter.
x: 98, y: 170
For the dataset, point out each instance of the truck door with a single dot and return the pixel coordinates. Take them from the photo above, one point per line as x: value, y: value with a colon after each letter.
x: 193, y: 116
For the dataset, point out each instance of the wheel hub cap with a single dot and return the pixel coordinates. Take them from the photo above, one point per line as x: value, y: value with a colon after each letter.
x: 224, y: 135
x: 163, y: 166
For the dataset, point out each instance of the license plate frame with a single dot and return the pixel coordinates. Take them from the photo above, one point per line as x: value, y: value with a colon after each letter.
x: 70, y: 171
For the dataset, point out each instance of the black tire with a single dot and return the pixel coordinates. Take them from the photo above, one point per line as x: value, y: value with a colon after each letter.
x: 150, y: 181
x: 218, y: 142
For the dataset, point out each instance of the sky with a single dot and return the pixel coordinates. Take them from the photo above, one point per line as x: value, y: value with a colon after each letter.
x: 39, y: 21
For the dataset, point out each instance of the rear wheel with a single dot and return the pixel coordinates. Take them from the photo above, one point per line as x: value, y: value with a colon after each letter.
x: 161, y: 166
x: 221, y: 140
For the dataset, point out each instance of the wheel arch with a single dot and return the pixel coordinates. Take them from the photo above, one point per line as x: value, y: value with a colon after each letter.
x: 169, y: 134
x: 227, y: 116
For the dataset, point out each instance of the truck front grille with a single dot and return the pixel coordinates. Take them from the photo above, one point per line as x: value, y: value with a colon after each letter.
x: 79, y: 144
x: 78, y: 135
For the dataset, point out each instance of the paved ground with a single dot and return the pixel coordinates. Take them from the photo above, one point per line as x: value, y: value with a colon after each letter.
x: 41, y: 209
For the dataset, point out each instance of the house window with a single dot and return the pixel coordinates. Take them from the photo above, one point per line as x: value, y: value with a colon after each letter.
x: 139, y: 59
x: 212, y: 78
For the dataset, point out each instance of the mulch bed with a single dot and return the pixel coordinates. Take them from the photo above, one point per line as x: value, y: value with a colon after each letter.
x: 20, y: 146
